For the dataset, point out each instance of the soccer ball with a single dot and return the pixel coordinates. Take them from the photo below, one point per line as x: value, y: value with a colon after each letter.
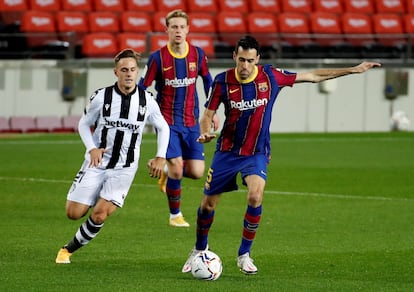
x: 399, y: 121
x: 206, y: 265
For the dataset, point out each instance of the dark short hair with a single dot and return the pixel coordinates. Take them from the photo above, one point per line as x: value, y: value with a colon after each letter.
x: 127, y: 53
x: 248, y: 42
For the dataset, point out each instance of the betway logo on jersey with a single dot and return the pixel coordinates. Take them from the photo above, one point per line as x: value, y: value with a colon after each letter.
x: 121, y: 124
x: 246, y: 105
x: 180, y: 82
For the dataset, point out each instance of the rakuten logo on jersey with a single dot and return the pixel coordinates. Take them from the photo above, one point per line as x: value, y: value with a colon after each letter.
x: 180, y: 82
x: 247, y: 105
x: 121, y: 125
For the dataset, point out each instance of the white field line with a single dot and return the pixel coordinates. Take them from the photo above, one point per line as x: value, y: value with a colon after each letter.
x: 281, y: 193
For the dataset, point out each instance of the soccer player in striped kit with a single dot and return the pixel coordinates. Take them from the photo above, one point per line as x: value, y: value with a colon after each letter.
x: 175, y: 69
x: 118, y: 114
x: 248, y: 93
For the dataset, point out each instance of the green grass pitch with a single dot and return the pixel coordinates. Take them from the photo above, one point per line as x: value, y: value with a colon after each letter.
x: 338, y: 215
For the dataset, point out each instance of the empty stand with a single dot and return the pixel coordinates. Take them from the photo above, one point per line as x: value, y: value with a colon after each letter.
x: 201, y: 22
x: 11, y: 11
x: 103, y: 21
x: 39, y: 27
x: 326, y: 28
x: 132, y: 21
x: 359, y: 6
x: 204, y: 41
x: 136, y: 41
x: 168, y: 5
x: 233, y: 6
x: 390, y: 6
x: 264, y: 27
x: 158, y: 23
x: 98, y: 45
x: 270, y: 6
x: 140, y: 5
x: 77, y: 5
x: 331, y: 6
x: 42, y: 5
x: 409, y: 6
x: 112, y: 5
x: 357, y: 28
x: 202, y: 6
x: 72, y: 22
x: 389, y: 32
x: 157, y: 41
x: 230, y: 26
x: 409, y: 23
x: 300, y: 6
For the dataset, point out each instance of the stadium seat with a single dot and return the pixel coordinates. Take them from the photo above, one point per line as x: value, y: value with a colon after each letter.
x: 294, y: 28
x: 168, y: 5
x: 71, y: 122
x: 264, y: 27
x: 230, y: 27
x: 40, y: 29
x: 99, y: 45
x: 326, y: 28
x: 409, y: 6
x: 301, y: 6
x: 204, y: 41
x: 132, y: 21
x: 103, y: 21
x: 157, y: 41
x: 331, y: 6
x: 135, y: 41
x: 78, y: 5
x: 72, y: 22
x: 201, y: 22
x: 357, y: 28
x: 42, y: 5
x: 409, y: 24
x: 22, y: 124
x: 388, y: 6
x: 158, y: 23
x: 269, y: 6
x: 11, y: 11
x: 359, y: 6
x: 140, y: 5
x: 202, y: 6
x: 389, y: 32
x: 111, y: 6
x: 233, y: 6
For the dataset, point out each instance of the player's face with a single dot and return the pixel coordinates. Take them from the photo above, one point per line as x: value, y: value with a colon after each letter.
x: 246, y: 61
x: 177, y: 30
x: 127, y: 73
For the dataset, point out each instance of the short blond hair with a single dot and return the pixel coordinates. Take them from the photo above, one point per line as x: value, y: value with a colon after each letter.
x: 176, y: 13
x: 127, y: 53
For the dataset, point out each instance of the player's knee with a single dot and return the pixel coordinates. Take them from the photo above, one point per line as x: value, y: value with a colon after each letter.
x: 74, y: 214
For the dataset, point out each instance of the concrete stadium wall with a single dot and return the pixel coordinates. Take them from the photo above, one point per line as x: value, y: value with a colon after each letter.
x: 356, y: 104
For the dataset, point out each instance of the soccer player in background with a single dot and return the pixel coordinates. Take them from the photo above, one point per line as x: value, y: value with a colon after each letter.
x: 248, y: 93
x: 119, y: 114
x: 175, y: 69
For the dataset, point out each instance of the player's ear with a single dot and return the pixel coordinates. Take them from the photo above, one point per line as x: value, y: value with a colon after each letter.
x: 116, y: 73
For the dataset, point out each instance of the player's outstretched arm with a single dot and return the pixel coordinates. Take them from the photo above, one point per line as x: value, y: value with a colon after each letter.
x: 319, y: 75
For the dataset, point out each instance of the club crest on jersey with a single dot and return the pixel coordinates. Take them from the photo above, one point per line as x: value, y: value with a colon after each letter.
x: 142, y: 110
x: 107, y: 106
x: 263, y: 87
x: 192, y: 66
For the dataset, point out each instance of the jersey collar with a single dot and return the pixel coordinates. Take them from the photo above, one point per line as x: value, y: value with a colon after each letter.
x: 254, y: 75
x: 176, y: 55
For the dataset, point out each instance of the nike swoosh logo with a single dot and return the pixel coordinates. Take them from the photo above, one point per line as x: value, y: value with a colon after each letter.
x: 167, y: 68
x: 234, y: 90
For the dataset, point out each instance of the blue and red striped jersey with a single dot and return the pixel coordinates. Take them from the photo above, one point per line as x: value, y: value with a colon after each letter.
x: 175, y: 82
x: 248, y: 108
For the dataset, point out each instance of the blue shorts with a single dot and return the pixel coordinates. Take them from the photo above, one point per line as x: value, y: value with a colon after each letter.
x: 183, y: 142
x: 222, y: 175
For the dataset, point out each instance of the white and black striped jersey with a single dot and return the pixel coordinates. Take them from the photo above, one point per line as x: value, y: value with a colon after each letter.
x: 118, y: 122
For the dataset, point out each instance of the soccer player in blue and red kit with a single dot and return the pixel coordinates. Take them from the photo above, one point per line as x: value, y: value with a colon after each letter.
x: 175, y: 69
x: 248, y: 93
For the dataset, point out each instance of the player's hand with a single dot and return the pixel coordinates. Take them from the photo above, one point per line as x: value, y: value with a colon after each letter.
x: 205, y: 138
x: 96, y: 155
x: 156, y: 166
